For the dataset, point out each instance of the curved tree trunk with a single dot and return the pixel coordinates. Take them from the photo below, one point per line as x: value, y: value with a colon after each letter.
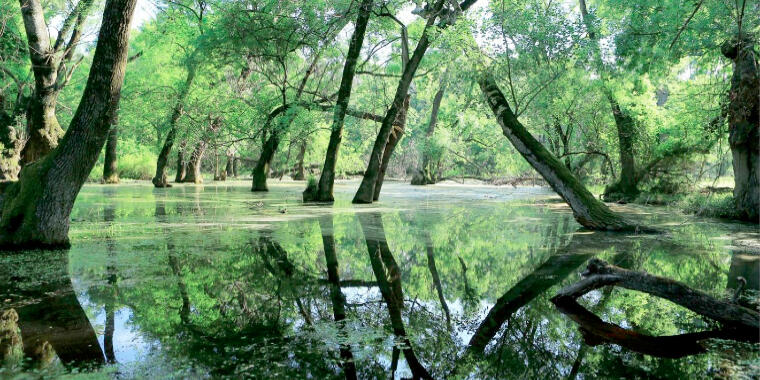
x: 744, y: 126
x: 261, y: 170
x: 588, y: 211
x: 393, y: 140
x: 36, y: 209
x: 193, y: 174
x: 324, y: 191
x: 160, y: 180
x: 110, y: 166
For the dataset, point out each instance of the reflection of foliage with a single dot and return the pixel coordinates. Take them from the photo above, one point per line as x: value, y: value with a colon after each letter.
x: 264, y: 311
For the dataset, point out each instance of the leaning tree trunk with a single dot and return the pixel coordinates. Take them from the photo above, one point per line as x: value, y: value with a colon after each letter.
x: 261, y: 170
x: 625, y: 188
x: 588, y: 211
x: 110, y: 166
x: 36, y: 209
x: 160, y: 180
x: 193, y: 174
x: 324, y: 191
x: 743, y: 126
x: 181, y: 164
x: 366, y: 191
x: 393, y: 140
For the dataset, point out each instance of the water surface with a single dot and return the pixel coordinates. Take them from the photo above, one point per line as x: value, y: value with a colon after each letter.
x: 450, y: 281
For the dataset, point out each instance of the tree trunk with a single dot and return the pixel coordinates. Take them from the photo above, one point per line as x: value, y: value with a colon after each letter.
x: 393, y: 140
x: 36, y: 209
x: 261, y: 170
x: 425, y: 175
x: 10, y: 150
x: 366, y: 191
x: 160, y: 180
x: 625, y: 188
x: 588, y: 211
x: 181, y: 164
x: 194, y: 174
x: 110, y: 167
x: 298, y: 170
x: 324, y: 191
x: 744, y: 125
x: 50, y: 74
x: 235, y: 165
x: 228, y: 167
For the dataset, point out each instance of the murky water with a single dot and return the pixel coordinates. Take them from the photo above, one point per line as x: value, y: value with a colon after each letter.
x: 443, y: 281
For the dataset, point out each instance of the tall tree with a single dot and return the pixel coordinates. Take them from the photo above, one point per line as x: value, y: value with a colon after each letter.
x: 36, y: 208
x: 324, y: 191
x: 366, y: 191
x: 51, y: 74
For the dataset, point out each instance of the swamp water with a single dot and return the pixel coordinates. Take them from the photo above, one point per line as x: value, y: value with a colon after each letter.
x: 447, y: 281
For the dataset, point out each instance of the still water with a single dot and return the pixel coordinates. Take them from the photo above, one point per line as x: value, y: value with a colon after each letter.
x: 444, y: 282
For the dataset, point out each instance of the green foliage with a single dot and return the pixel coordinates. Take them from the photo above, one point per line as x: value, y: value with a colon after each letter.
x: 710, y: 205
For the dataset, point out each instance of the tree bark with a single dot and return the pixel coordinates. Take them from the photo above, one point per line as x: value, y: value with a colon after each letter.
x: 160, y: 180
x: 261, y: 170
x: 425, y: 175
x: 588, y: 211
x: 299, y: 173
x: 393, y: 140
x: 50, y: 74
x: 744, y: 126
x: 626, y: 188
x: 228, y: 168
x: 324, y: 191
x: 181, y: 164
x: 110, y: 166
x: 36, y: 209
x: 194, y: 174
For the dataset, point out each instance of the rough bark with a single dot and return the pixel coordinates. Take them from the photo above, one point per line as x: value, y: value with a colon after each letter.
x: 36, y: 209
x: 261, y: 170
x: 744, y: 126
x: 626, y: 188
x: 160, y: 180
x: 599, y: 274
x: 336, y: 294
x: 366, y: 191
x: 110, y: 165
x: 50, y: 74
x: 588, y: 211
x: 299, y: 173
x: 324, y: 191
x: 181, y: 163
x: 393, y: 140
x: 425, y: 175
x: 388, y: 277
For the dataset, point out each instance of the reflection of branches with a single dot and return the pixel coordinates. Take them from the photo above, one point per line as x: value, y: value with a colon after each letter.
x: 388, y: 278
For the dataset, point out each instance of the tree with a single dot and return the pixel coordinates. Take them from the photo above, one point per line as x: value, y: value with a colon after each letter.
x: 36, y: 208
x: 324, y: 192
x: 51, y: 74
x: 588, y: 211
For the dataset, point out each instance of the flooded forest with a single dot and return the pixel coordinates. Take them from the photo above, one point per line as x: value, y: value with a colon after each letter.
x: 368, y: 189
